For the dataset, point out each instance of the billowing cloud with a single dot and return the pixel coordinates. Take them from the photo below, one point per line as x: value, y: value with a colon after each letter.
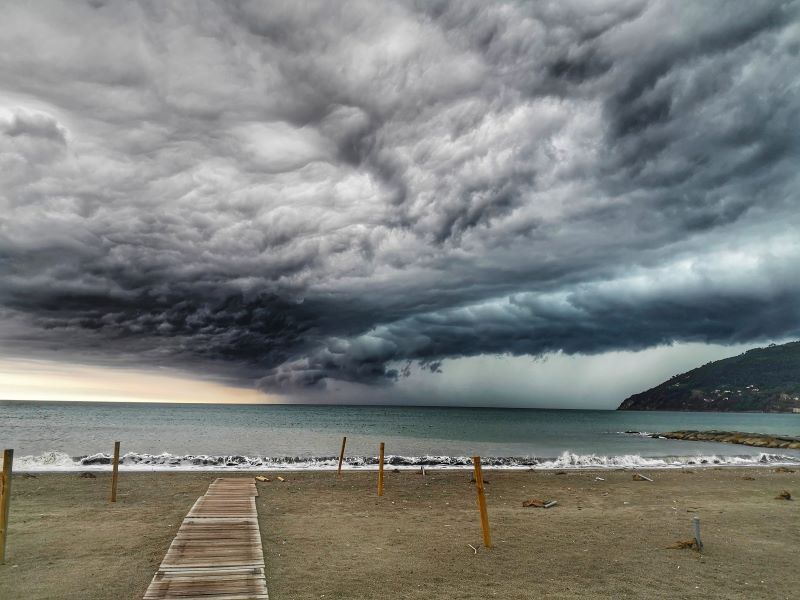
x: 300, y: 192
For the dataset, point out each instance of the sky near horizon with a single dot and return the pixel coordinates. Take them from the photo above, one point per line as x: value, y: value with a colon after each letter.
x: 492, y: 203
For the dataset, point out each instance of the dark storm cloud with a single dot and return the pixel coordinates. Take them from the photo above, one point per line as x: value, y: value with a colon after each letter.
x: 297, y: 192
x: 587, y: 319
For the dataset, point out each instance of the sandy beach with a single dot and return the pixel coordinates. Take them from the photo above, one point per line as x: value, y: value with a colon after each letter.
x: 335, y: 539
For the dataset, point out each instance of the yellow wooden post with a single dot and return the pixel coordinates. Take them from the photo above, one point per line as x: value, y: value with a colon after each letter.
x: 341, y: 456
x: 487, y: 537
x: 380, y: 472
x: 115, y: 468
x: 5, y: 501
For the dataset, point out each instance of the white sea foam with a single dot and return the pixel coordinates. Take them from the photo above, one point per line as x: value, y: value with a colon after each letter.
x: 645, y: 434
x: 49, y: 461
x: 133, y: 461
x: 629, y: 461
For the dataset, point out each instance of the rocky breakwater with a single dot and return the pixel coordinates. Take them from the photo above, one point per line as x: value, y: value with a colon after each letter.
x: 759, y: 440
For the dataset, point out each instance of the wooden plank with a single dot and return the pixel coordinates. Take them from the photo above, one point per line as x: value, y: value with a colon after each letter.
x: 216, y: 553
x: 231, y: 522
x: 192, y: 547
x: 175, y: 555
x: 209, y: 550
x: 207, y: 570
x: 210, y: 506
x: 216, y: 597
x: 236, y: 551
x: 210, y: 562
x: 224, y: 543
x: 232, y: 483
x: 209, y: 585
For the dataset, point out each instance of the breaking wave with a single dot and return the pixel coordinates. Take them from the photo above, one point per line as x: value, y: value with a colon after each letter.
x: 645, y: 434
x: 59, y: 461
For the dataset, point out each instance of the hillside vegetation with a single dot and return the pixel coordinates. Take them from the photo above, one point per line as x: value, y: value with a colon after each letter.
x: 761, y: 380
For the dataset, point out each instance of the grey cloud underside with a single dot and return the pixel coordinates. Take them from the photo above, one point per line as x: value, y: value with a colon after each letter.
x: 300, y: 192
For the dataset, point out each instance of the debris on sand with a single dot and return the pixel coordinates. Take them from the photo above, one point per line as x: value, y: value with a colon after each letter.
x: 639, y: 477
x: 281, y: 479
x: 473, y: 481
x: 784, y: 495
x: 748, y: 478
x: 261, y: 478
x: 783, y: 470
x: 683, y: 544
x: 537, y: 503
x: 88, y: 475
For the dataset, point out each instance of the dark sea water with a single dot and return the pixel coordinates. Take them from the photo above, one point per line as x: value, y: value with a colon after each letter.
x: 68, y: 435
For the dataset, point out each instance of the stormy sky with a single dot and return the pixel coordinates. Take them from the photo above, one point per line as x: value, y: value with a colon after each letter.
x: 329, y: 200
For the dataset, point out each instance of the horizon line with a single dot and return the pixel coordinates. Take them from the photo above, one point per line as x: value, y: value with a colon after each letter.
x: 325, y: 404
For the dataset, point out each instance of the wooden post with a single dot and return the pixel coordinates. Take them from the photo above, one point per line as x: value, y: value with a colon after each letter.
x: 341, y: 456
x: 115, y: 468
x: 5, y: 501
x: 380, y: 472
x: 487, y: 537
x: 697, y: 539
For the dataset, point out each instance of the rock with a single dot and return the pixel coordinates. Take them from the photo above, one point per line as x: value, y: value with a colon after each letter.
x: 757, y: 440
x: 784, y: 495
x: 88, y: 475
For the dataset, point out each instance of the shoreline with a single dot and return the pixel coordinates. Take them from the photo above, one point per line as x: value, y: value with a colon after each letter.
x: 710, y: 462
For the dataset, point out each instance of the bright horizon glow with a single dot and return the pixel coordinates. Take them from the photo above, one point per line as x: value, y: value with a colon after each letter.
x: 556, y: 380
x: 43, y: 380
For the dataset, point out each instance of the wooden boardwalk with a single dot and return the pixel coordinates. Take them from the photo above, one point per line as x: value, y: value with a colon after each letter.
x: 216, y: 554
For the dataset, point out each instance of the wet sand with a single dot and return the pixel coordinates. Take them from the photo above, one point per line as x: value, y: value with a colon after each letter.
x: 335, y: 539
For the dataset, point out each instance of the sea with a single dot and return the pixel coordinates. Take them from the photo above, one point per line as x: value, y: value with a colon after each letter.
x: 71, y: 436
